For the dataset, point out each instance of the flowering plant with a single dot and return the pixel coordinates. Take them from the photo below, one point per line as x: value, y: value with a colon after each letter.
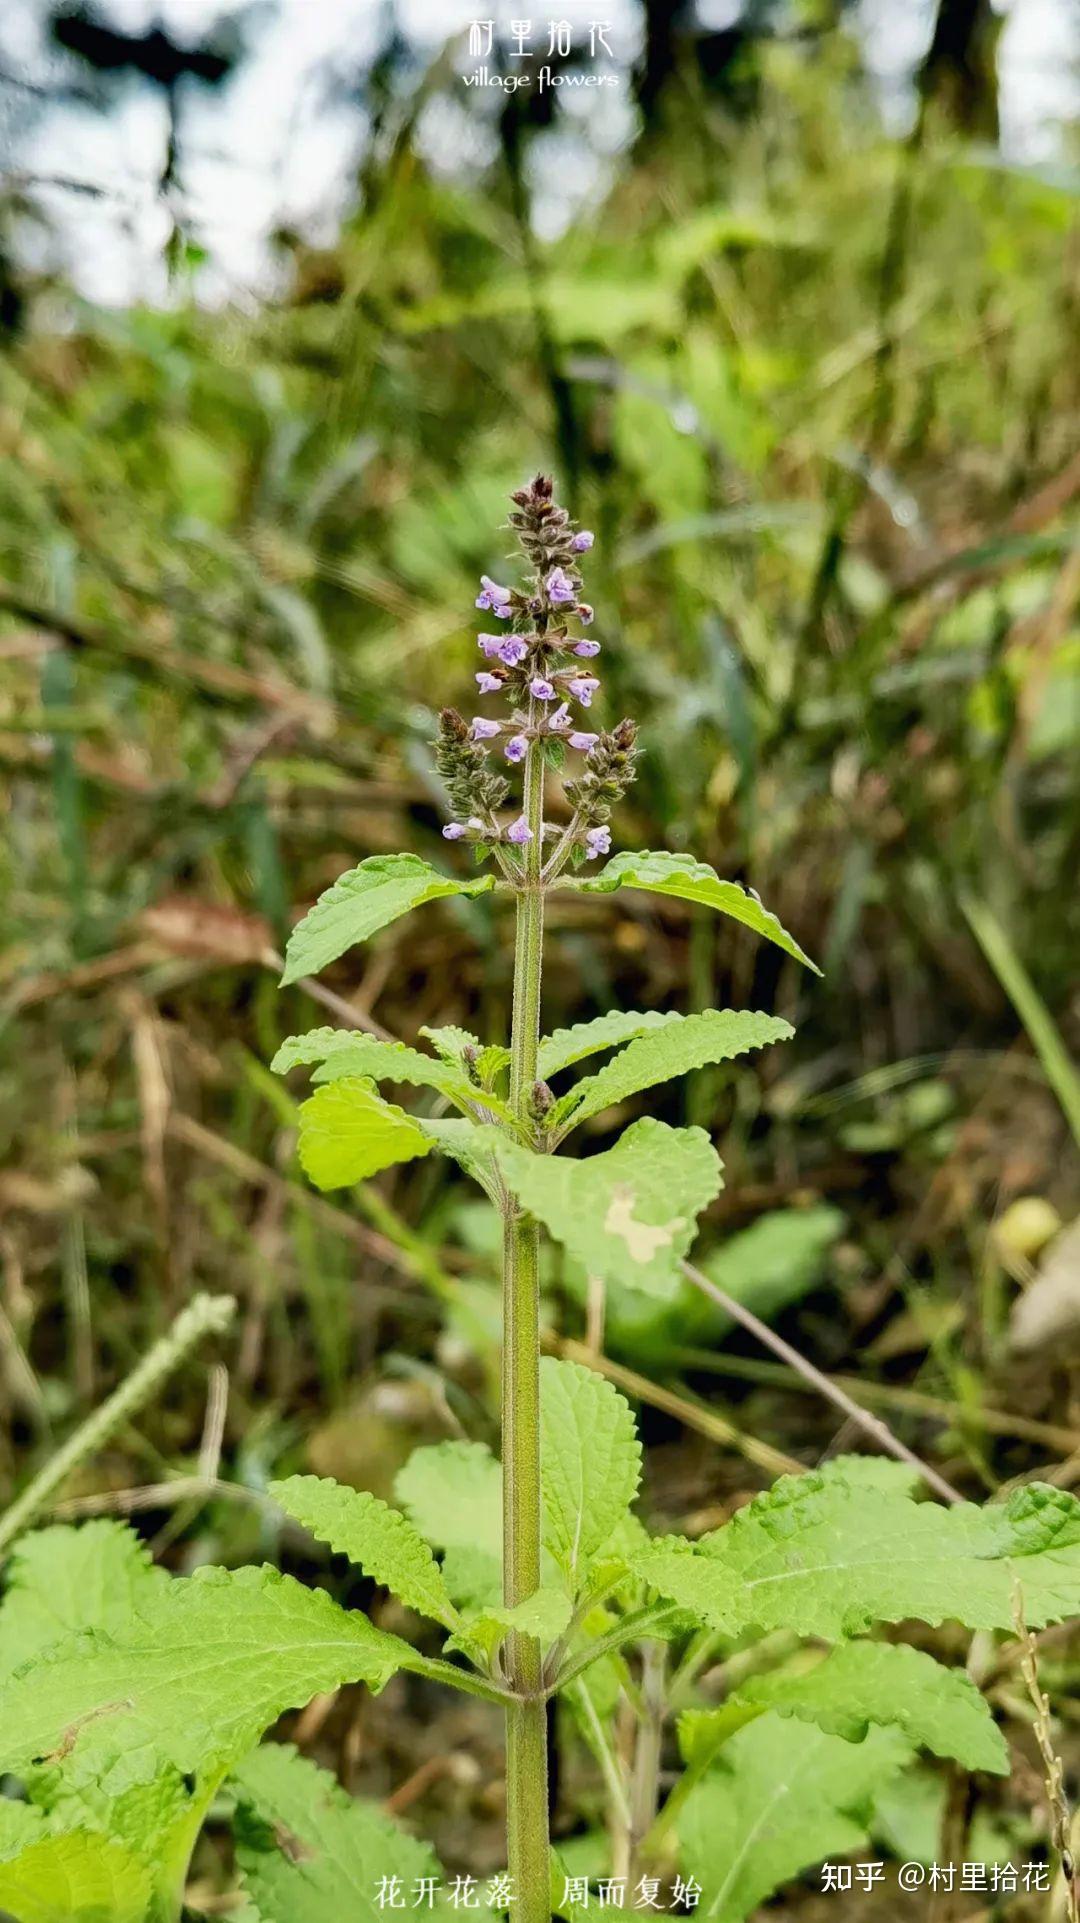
x: 130, y: 1702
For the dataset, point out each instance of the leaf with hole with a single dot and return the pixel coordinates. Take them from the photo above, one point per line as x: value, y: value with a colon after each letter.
x: 630, y: 1214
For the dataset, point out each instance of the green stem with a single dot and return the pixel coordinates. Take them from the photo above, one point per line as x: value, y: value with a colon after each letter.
x: 526, y: 1721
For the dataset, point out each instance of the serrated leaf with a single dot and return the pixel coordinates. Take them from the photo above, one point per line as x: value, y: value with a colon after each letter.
x: 20, y: 1824
x: 473, y: 1578
x: 703, y: 1732
x: 449, y: 1042
x: 871, y: 1472
x: 76, y: 1878
x: 816, y: 1556
x: 590, y: 1462
x: 209, y: 1663
x: 380, y: 1540
x: 366, y: 1055
x: 64, y: 1579
x: 544, y: 1615
x: 363, y: 900
x: 781, y: 1798
x: 470, y: 1144
x: 628, y: 1214
x: 861, y: 1683
x: 348, y: 1132
x: 310, y: 1853
x: 452, y: 1491
x: 132, y: 1797
x: 691, y: 1041
x: 568, y: 1045
x: 662, y: 873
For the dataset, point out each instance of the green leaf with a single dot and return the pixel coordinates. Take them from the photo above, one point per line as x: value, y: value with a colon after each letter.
x: 814, y: 1555
x: 629, y: 1214
x: 689, y: 1042
x: 780, y: 1798
x: 569, y: 1045
x: 450, y: 1043
x: 452, y: 1491
x: 308, y: 1852
x: 20, y: 1824
x: 132, y: 1797
x: 871, y: 1472
x: 379, y: 1539
x: 347, y: 1132
x: 393, y: 1062
x: 64, y: 1579
x: 364, y: 900
x: 590, y: 1462
x: 662, y: 873
x: 544, y: 1614
x: 859, y: 1684
x: 203, y: 1669
x: 77, y: 1878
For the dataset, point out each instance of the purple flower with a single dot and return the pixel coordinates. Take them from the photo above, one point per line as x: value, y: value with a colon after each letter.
x: 454, y: 831
x: 583, y: 541
x: 543, y: 690
x: 585, y: 650
x: 559, y: 716
x: 492, y: 596
x: 517, y: 748
x: 597, y: 842
x: 513, y: 650
x: 586, y: 742
x: 482, y: 730
x: 583, y: 687
x: 561, y: 589
x: 584, y: 612
x: 490, y: 644
x: 519, y: 830
x: 488, y: 683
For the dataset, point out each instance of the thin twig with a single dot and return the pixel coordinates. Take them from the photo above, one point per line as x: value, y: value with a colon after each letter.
x: 871, y: 1425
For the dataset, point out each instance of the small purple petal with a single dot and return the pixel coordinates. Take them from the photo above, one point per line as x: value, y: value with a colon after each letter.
x: 516, y: 748
x: 513, y: 651
x: 583, y: 687
x: 560, y: 588
x: 488, y: 683
x: 586, y: 742
x: 492, y: 596
x: 559, y: 716
x: 597, y: 842
x: 454, y: 831
x: 519, y: 830
x: 543, y: 690
x: 490, y: 644
x: 483, y: 730
x: 583, y: 541
x: 585, y: 650
x: 584, y: 612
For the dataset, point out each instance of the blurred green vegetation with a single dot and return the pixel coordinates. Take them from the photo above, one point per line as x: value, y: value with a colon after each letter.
x: 816, y: 390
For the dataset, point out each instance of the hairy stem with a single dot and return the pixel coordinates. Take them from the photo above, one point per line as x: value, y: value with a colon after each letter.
x: 526, y: 1722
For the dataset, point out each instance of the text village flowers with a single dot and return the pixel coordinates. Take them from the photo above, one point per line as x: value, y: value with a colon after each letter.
x: 533, y: 53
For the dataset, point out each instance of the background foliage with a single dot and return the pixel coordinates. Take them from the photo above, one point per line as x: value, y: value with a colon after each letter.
x: 815, y: 388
